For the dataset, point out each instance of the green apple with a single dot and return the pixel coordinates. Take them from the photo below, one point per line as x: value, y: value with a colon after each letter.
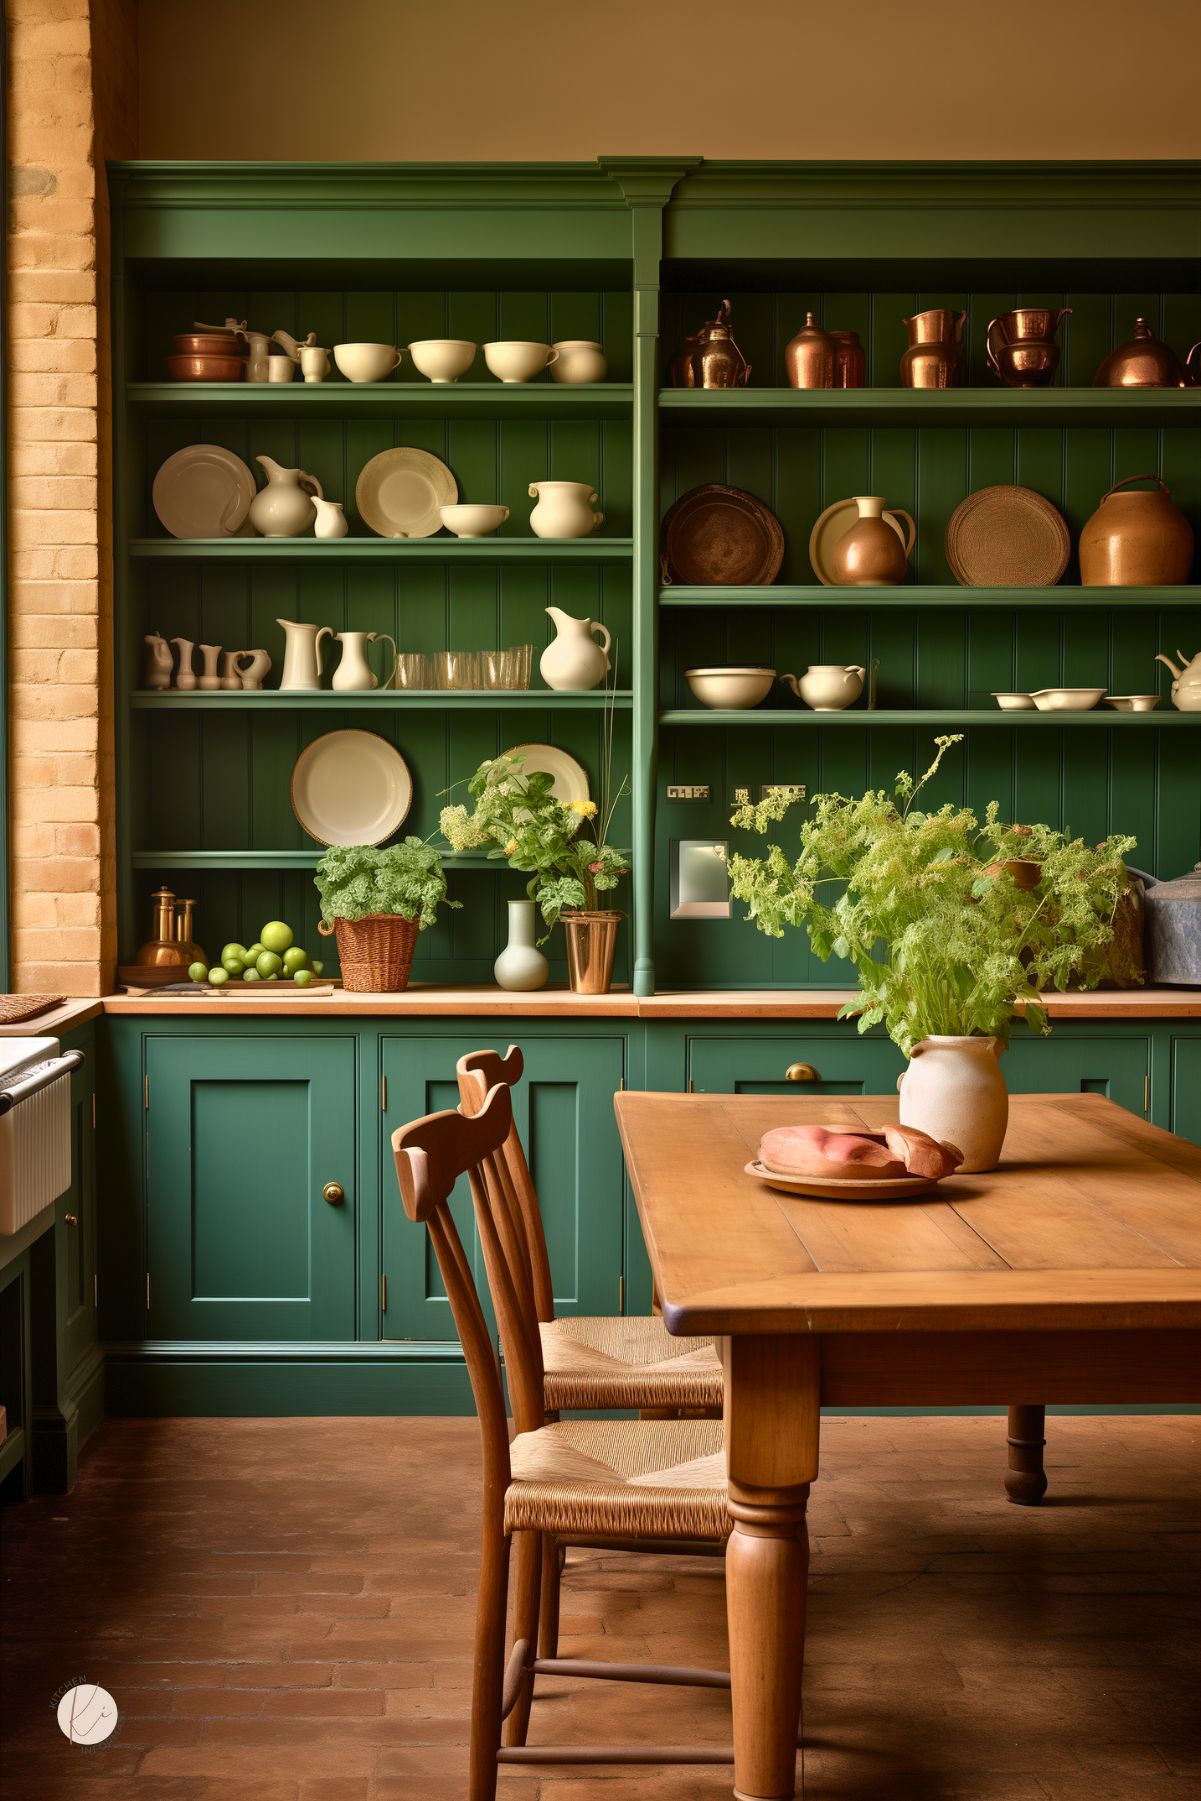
x: 276, y: 936
x: 273, y: 977
x: 233, y: 966
x: 198, y: 972
x: 317, y: 966
x: 233, y: 950
x: 295, y: 959
x: 219, y: 977
x: 302, y: 977
x: 255, y: 952
x: 251, y: 975
x: 268, y: 965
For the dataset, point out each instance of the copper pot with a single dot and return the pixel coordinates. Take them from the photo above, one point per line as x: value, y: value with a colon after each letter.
x: 710, y: 358
x: 1136, y: 540
x: 209, y: 343
x: 1145, y: 361
x: 810, y: 359
x: 206, y: 368
x: 849, y: 362
x: 935, y: 348
x: 1020, y: 345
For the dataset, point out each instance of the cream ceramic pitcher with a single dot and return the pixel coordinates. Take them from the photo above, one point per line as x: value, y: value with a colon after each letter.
x: 564, y: 509
x: 302, y: 653
x: 284, y: 508
x: 574, y: 660
x: 354, y: 671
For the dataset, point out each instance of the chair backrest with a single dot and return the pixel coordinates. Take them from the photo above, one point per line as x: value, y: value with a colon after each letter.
x: 479, y: 1072
x: 431, y: 1154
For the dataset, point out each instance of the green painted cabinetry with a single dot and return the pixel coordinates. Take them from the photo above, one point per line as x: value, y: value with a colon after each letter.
x: 1082, y: 1063
x: 1186, y: 1087
x: 243, y: 1134
x: 828, y: 1062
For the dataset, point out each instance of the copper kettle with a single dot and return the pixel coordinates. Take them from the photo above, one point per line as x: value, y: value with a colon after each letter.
x: 1145, y: 361
x: 710, y: 358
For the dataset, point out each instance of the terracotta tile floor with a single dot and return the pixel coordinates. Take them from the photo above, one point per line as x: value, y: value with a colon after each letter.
x: 282, y: 1610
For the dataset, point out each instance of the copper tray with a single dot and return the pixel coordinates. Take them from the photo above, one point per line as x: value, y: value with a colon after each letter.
x: 715, y: 536
x: 1007, y: 537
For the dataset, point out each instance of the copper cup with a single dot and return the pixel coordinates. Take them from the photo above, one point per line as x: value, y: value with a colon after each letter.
x: 591, y: 946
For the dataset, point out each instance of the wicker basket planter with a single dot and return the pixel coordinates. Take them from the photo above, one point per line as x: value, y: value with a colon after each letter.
x: 376, y: 952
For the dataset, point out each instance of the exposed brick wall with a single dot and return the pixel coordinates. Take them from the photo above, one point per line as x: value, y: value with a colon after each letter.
x: 72, y: 102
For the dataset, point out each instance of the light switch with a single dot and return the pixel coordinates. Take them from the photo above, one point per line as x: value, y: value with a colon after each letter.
x: 688, y: 791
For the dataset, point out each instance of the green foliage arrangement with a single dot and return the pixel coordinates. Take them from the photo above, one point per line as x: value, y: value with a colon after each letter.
x: 562, y: 846
x: 942, y: 937
x: 406, y: 879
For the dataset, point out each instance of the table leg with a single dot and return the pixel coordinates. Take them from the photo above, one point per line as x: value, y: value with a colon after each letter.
x: 772, y: 1415
x: 1025, y: 1478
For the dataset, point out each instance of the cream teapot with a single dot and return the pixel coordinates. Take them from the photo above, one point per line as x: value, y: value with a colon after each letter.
x: 828, y: 687
x: 1186, y: 687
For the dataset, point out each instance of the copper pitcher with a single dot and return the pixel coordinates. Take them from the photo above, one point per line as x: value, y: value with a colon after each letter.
x: 935, y: 348
x: 1145, y: 361
x: 711, y: 358
x: 1020, y: 345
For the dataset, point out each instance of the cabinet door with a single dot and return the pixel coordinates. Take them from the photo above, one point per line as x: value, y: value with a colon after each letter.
x: 75, y: 1214
x: 1065, y: 1064
x: 241, y: 1136
x: 564, y: 1111
x: 1186, y: 1088
x: 842, y: 1062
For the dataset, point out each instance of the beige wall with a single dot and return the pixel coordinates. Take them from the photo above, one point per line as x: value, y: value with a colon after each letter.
x: 496, y: 79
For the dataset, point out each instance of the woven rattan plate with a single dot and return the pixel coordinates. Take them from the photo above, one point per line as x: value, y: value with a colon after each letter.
x: 1006, y: 537
x: 721, y: 537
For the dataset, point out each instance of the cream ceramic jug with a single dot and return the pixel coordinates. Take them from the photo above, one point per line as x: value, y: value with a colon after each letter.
x: 564, y: 509
x: 284, y: 508
x: 331, y: 520
x: 954, y: 1090
x: 1186, y: 687
x: 354, y: 671
x: 302, y: 653
x: 573, y: 660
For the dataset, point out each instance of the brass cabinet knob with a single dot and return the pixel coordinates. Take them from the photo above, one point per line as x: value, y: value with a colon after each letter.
x: 334, y: 1193
x: 70, y: 1219
x: 801, y: 1072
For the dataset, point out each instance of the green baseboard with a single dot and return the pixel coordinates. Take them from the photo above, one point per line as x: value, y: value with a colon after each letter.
x: 58, y: 1433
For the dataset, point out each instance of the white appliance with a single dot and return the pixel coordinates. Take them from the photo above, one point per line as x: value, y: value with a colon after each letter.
x: 35, y: 1127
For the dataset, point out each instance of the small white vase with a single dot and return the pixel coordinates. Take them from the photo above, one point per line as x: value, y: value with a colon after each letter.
x: 564, y: 509
x: 521, y: 965
x: 577, y: 657
x: 331, y: 520
x: 954, y: 1090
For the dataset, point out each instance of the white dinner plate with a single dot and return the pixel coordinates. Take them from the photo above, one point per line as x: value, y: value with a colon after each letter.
x: 351, y: 788
x: 400, y: 493
x: 203, y: 491
x: 844, y: 1188
x: 570, y: 779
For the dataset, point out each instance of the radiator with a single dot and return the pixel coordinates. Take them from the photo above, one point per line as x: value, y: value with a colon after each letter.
x: 35, y: 1128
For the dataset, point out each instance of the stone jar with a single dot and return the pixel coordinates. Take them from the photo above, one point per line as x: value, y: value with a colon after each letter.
x: 1136, y: 540
x: 954, y: 1090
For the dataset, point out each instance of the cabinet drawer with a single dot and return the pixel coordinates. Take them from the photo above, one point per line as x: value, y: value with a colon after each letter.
x: 1118, y: 1068
x: 841, y: 1063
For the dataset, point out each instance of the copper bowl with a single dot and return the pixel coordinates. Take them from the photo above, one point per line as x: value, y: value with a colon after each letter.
x: 209, y: 343
x: 206, y: 368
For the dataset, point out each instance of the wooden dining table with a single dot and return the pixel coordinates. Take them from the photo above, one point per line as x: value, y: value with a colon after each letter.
x: 1071, y: 1273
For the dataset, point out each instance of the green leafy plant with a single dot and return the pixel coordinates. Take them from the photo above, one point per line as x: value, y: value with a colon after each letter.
x: 943, y: 938
x: 406, y: 879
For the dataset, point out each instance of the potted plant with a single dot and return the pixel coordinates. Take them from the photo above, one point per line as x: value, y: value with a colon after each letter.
x: 375, y: 902
x: 950, y: 937
x: 561, y: 845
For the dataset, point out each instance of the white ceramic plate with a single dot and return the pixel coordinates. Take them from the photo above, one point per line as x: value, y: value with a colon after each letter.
x: 203, y: 491
x: 570, y: 779
x: 351, y: 788
x: 1066, y: 700
x: 1010, y: 701
x: 843, y: 1188
x: 400, y: 493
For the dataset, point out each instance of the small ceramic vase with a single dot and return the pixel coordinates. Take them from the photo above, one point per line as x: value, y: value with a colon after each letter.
x: 564, y: 509
x: 231, y: 675
x: 210, y: 677
x: 521, y: 965
x: 185, y: 675
x: 574, y: 660
x: 158, y: 663
x: 331, y: 520
x: 954, y: 1090
x: 314, y: 362
x: 874, y: 553
x: 258, y: 666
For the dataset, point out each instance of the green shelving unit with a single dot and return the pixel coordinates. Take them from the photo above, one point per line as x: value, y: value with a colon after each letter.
x: 935, y: 719
x: 1018, y: 408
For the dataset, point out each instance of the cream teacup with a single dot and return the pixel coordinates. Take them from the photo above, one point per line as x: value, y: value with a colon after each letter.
x: 580, y: 359
x: 314, y: 362
x: 516, y: 360
x: 442, y: 359
x: 280, y: 368
x: 367, y: 362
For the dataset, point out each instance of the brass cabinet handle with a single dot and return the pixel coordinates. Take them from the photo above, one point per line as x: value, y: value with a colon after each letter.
x: 334, y: 1193
x: 801, y: 1072
x: 70, y: 1219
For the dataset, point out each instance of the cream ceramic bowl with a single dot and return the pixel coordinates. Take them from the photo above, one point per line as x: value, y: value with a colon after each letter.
x: 579, y: 360
x: 733, y: 687
x: 367, y: 362
x: 442, y: 359
x: 1132, y: 703
x: 473, y: 519
x: 1014, y: 703
x: 516, y: 360
x: 1066, y: 700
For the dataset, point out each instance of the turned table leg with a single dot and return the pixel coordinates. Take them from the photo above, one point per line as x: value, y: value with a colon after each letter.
x: 1025, y: 1478
x: 772, y: 1413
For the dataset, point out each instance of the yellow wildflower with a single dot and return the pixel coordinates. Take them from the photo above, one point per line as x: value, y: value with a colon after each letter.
x: 510, y: 847
x: 585, y: 808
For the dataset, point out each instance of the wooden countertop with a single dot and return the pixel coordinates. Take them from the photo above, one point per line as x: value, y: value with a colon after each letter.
x: 57, y: 1022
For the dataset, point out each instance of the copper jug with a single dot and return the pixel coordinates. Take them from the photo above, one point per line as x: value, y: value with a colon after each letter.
x: 849, y: 361
x: 1021, y: 348
x: 1136, y: 540
x: 810, y: 359
x: 714, y: 359
x: 1145, y: 361
x: 935, y: 348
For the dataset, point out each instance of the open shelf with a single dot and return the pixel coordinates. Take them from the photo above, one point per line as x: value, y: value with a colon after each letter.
x: 944, y: 718
x: 382, y: 550
x: 231, y: 700
x: 274, y: 859
x: 932, y: 406
x: 907, y: 596
x: 384, y: 400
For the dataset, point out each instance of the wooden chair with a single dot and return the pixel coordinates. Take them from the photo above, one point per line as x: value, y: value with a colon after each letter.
x: 595, y: 1365
x: 610, y: 1481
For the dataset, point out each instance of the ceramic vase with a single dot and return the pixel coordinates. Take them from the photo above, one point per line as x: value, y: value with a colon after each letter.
x: 954, y: 1090
x: 874, y: 552
x: 521, y: 965
x: 574, y: 660
x: 564, y: 509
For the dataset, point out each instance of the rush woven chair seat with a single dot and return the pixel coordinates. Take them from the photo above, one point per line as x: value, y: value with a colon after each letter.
x: 612, y: 1480
x: 619, y: 1363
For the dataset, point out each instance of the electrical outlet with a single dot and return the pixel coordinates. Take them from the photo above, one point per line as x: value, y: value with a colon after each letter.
x: 742, y: 797
x: 794, y: 790
x: 688, y: 791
